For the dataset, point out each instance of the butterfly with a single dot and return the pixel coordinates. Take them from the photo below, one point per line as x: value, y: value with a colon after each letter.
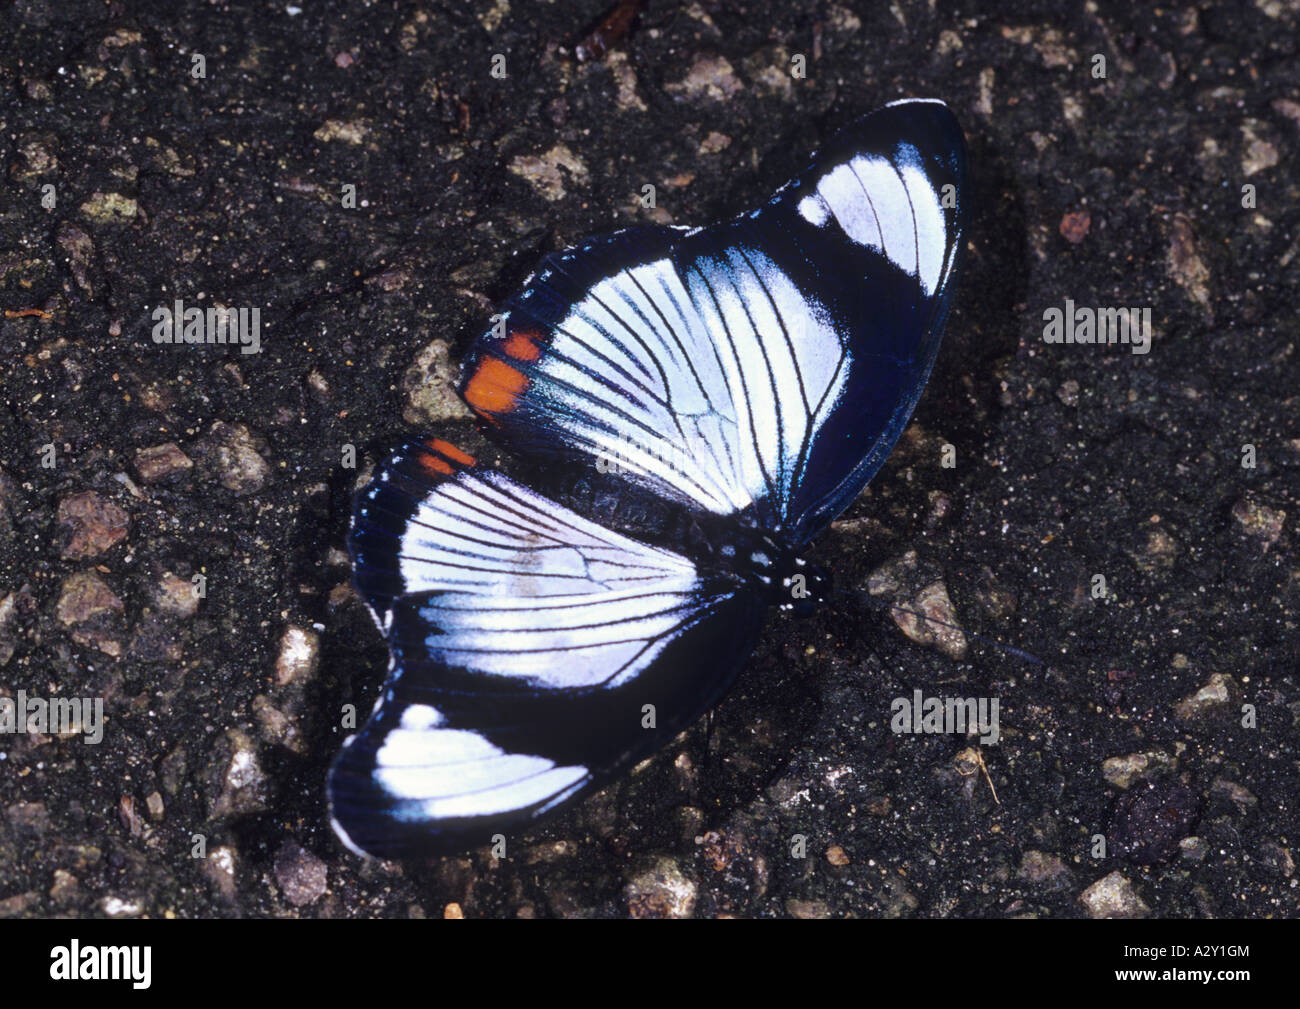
x: 692, y: 407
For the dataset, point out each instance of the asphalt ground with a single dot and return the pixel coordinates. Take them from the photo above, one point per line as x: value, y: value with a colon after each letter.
x: 1149, y: 766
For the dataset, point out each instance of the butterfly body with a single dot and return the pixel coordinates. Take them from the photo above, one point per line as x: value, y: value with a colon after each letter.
x: 690, y: 408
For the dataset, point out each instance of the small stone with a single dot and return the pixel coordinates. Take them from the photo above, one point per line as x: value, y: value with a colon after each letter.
x: 38, y: 90
x: 1194, y: 849
x: 984, y: 102
x: 1068, y: 393
x: 1239, y: 795
x: 429, y: 387
x: 1049, y: 43
x: 660, y: 890
x: 1212, y: 699
x: 80, y: 250
x: 66, y: 887
x: 625, y: 81
x: 1258, y: 521
x: 491, y: 16
x: 710, y: 78
x: 340, y: 595
x: 122, y: 907
x: 949, y: 42
x: 93, y: 611
x: 1043, y: 869
x: 159, y: 462
x: 933, y: 602
x: 538, y: 854
x: 109, y: 208
x: 392, y: 278
x: 1288, y: 108
x: 154, y: 803
x: 12, y: 907
x: 1260, y: 153
x: 219, y: 868
x: 81, y: 857
x: 129, y: 817
x: 277, y: 727
x: 940, y: 508
x: 807, y: 908
x: 879, y: 805
x: 842, y: 21
x: 176, y: 596
x: 1185, y: 263
x: 714, y: 143
x: 232, y: 451
x: 1075, y: 225
x: 543, y: 172
x: 1277, y: 858
x: 1157, y: 554
x: 837, y: 856
x: 299, y: 655
x: 173, y: 770
x: 319, y: 385
x: 1113, y: 896
x: 40, y: 152
x: 353, y: 133
x: 236, y: 782
x: 166, y: 159
x: 90, y: 525
x: 8, y: 613
x: 301, y: 875
x: 769, y: 71
x: 29, y: 819
x: 1123, y: 771
x: 119, y: 39
x: 453, y: 910
x: 721, y: 850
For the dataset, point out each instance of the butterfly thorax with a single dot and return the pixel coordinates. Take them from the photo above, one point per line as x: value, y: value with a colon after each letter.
x: 777, y: 570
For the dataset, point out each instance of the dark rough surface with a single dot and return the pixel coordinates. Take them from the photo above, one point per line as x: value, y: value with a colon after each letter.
x: 1072, y: 461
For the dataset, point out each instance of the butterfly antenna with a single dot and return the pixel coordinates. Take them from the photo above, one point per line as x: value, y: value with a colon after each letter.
x: 969, y: 635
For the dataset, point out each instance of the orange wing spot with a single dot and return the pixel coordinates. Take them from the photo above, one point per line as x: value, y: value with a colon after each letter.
x: 433, y: 466
x: 522, y: 345
x: 452, y: 452
x: 495, y: 386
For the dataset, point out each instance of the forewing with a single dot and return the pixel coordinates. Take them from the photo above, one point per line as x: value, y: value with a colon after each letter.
x: 766, y: 364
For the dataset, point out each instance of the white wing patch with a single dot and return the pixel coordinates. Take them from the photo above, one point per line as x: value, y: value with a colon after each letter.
x: 843, y: 191
x: 930, y: 224
x: 588, y: 641
x: 455, y: 772
x: 713, y: 382
x: 491, y: 536
x: 889, y: 205
x: 814, y: 209
x: 522, y: 588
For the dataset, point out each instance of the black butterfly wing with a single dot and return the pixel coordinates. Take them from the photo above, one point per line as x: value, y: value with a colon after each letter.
x: 766, y: 364
x: 527, y: 643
